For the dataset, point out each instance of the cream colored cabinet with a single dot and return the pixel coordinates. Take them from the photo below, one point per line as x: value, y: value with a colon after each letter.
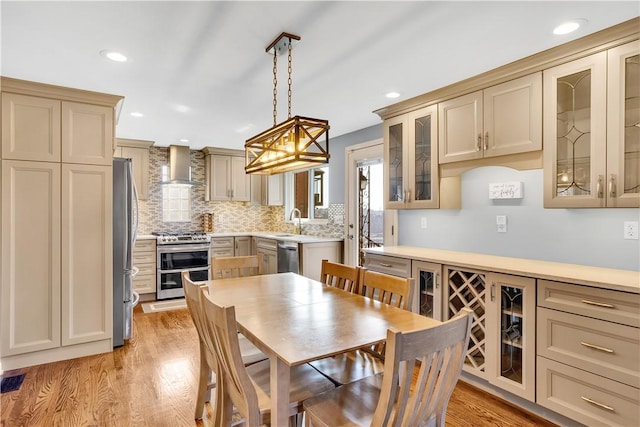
x: 312, y: 254
x: 225, y: 177
x: 502, y: 345
x: 267, y: 190
x: 592, y: 153
x: 394, y: 266
x: 144, y: 259
x: 57, y: 282
x: 588, y: 342
x: 499, y: 120
x: 268, y: 248
x: 242, y: 245
x: 231, y: 246
x: 427, y: 296
x: 411, y: 160
x: 138, y: 152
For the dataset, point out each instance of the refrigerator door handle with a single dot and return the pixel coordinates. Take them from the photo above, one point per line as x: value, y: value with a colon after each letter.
x: 135, y: 227
x: 136, y: 299
x: 134, y: 272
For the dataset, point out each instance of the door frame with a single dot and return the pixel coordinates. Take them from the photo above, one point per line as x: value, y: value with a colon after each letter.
x: 354, y: 154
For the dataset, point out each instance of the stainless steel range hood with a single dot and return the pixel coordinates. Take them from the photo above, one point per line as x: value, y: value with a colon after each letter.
x: 180, y: 166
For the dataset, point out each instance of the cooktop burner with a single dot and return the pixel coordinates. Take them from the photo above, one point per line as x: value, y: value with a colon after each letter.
x: 173, y: 237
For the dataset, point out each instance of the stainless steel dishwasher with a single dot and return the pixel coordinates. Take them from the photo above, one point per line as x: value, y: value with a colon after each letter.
x: 288, y: 257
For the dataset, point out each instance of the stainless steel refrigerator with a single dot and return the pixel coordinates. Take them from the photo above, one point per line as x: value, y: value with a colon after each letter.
x: 125, y: 225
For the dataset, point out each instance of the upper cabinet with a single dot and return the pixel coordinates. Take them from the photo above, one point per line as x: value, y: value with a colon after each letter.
x: 225, y: 177
x: 592, y: 146
x: 138, y: 152
x: 502, y: 119
x: 267, y: 190
x: 411, y: 160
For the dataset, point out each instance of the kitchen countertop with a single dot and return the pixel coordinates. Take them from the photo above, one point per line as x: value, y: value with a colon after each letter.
x: 607, y: 278
x: 289, y: 237
x: 146, y: 237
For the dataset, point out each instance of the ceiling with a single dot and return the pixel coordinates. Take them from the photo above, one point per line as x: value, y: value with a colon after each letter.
x: 199, y: 70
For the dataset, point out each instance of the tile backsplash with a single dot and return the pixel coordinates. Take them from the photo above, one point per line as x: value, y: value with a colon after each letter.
x: 227, y: 216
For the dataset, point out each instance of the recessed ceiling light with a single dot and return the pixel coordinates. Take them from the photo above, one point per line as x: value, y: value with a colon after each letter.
x: 113, y: 55
x: 392, y: 95
x: 137, y: 114
x: 184, y: 140
x: 568, y: 27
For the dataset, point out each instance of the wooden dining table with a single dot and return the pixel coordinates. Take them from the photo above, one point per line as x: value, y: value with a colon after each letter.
x: 294, y: 320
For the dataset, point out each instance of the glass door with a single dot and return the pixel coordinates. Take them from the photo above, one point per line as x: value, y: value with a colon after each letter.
x: 427, y: 296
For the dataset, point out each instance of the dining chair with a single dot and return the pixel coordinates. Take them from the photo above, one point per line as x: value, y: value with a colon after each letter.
x: 340, y: 276
x: 236, y: 266
x: 422, y: 368
x: 207, y: 378
x: 363, y: 362
x: 246, y: 389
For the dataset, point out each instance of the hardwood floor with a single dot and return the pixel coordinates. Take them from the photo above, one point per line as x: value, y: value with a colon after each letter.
x: 151, y: 381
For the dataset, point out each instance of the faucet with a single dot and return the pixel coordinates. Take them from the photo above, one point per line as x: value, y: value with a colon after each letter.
x: 299, y: 219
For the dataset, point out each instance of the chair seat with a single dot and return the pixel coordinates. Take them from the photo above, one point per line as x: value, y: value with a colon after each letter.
x: 352, y: 404
x: 305, y: 383
x: 350, y: 366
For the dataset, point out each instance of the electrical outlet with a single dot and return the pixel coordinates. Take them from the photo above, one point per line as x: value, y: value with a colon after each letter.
x: 501, y: 223
x: 423, y: 222
x: 631, y: 230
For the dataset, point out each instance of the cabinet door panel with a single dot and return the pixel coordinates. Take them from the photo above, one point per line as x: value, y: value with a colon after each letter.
x: 140, y: 160
x: 394, y: 162
x: 87, y: 134
x: 239, y: 180
x: 31, y: 256
x: 220, y: 167
x: 87, y: 253
x: 30, y: 128
x: 422, y: 159
x: 460, y: 128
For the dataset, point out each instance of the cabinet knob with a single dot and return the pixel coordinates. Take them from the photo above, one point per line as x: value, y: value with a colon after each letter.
x: 612, y: 186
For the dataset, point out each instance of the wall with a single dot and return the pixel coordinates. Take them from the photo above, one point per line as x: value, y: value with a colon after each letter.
x: 577, y: 236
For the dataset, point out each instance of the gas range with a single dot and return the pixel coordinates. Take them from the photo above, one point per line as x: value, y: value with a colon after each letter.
x: 181, y: 237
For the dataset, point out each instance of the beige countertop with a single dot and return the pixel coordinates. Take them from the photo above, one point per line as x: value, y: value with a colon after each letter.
x: 609, y: 278
x: 289, y: 237
x: 146, y: 237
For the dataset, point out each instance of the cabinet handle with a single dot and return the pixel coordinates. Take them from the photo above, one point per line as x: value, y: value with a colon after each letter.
x: 386, y: 265
x: 596, y: 347
x: 598, y: 304
x: 486, y: 141
x: 612, y: 186
x: 408, y: 199
x: 599, y: 187
x: 437, y: 280
x: 493, y: 292
x: 479, y: 144
x: 598, y: 404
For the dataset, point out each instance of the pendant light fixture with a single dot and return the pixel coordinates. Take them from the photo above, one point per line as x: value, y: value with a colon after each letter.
x: 296, y: 143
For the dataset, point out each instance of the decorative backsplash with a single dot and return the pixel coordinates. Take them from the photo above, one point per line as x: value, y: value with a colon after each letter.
x: 228, y: 217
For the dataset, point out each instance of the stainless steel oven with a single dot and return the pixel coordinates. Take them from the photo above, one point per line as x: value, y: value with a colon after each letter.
x: 176, y: 256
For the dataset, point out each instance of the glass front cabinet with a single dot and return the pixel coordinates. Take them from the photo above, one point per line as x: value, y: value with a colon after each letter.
x: 411, y: 160
x: 502, y: 343
x: 592, y: 146
x: 427, y: 296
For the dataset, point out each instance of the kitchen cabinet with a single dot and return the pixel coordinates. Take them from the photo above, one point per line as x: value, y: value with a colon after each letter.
x: 144, y: 259
x: 268, y: 248
x: 312, y: 254
x: 410, y: 166
x: 138, y: 152
x: 427, y: 297
x: 230, y: 246
x: 502, y: 341
x: 225, y: 177
x: 592, y: 148
x: 394, y: 266
x: 267, y: 190
x: 588, y: 343
x: 57, y: 283
x: 495, y: 121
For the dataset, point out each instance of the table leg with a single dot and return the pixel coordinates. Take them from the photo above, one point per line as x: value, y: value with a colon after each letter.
x: 280, y: 380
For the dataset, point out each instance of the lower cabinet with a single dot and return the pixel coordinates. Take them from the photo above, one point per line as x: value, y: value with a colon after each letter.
x: 312, y: 254
x: 231, y: 246
x: 268, y: 248
x: 588, y: 360
x: 144, y: 259
x: 427, y: 297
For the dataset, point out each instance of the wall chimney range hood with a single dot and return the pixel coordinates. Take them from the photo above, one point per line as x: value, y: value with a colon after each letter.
x: 179, y: 167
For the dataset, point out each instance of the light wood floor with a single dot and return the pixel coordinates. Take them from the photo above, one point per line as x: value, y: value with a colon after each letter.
x: 151, y: 381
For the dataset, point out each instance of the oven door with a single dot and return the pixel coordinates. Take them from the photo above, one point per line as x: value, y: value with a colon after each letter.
x: 170, y: 281
x: 173, y: 260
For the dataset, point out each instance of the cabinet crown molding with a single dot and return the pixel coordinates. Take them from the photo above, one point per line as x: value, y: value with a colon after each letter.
x: 134, y: 143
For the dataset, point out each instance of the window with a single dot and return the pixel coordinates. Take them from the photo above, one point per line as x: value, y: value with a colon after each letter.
x: 176, y: 203
x: 309, y: 192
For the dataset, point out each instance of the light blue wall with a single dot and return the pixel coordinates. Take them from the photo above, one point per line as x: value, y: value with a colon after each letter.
x: 577, y: 236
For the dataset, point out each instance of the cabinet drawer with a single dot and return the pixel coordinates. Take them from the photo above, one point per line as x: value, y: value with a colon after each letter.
x: 585, y: 397
x: 148, y: 269
x: 222, y: 252
x: 144, y: 284
x: 222, y: 242
x: 596, y: 346
x: 388, y: 265
x: 614, y: 306
x: 144, y: 258
x: 146, y: 245
x: 267, y: 244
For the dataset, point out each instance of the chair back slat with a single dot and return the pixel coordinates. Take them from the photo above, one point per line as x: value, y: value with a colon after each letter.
x: 236, y: 266
x: 392, y: 290
x: 440, y: 351
x: 341, y: 276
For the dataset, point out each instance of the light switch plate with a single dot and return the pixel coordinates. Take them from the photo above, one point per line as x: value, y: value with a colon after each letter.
x: 423, y: 222
x: 501, y: 223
